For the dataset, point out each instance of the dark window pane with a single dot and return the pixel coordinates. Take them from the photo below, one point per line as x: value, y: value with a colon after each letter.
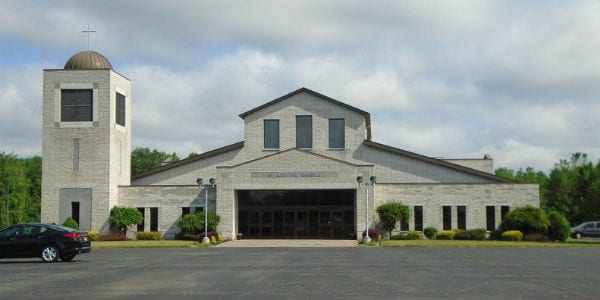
x: 75, y: 211
x: 490, y: 217
x: 271, y: 134
x: 185, y: 211
x: 503, y: 211
x: 76, y: 105
x: 461, y: 212
x: 303, y: 131
x: 447, y: 217
x: 140, y: 227
x: 153, y: 218
x: 404, y: 225
x: 336, y: 133
x: 419, y: 218
x: 120, y: 110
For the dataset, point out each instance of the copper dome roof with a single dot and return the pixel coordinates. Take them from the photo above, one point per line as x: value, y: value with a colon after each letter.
x: 86, y: 60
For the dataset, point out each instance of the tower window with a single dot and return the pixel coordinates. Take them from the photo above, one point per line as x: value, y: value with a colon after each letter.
x: 336, y: 134
x: 76, y: 105
x: 271, y: 134
x: 120, y: 109
x: 304, y: 132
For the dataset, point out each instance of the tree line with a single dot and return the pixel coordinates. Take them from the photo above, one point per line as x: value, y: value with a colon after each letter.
x: 572, y: 187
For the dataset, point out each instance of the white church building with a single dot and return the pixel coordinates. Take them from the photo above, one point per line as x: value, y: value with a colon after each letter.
x: 293, y: 176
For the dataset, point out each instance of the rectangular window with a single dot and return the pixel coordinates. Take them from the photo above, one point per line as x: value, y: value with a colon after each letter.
x: 461, y: 212
x: 404, y: 225
x: 76, y: 105
x: 75, y: 211
x: 185, y: 211
x: 304, y: 132
x: 120, y: 109
x: 504, y: 209
x: 337, y: 139
x: 271, y: 134
x: 140, y: 227
x: 153, y: 218
x: 490, y: 218
x: 447, y: 217
x: 418, y: 218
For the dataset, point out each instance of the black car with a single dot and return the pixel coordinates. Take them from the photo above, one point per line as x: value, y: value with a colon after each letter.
x: 587, y: 229
x: 46, y: 241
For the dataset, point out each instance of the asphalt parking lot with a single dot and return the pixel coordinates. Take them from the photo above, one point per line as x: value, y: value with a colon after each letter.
x: 310, y: 273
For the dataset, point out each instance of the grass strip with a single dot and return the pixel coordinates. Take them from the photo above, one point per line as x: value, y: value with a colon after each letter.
x: 146, y: 244
x: 484, y: 244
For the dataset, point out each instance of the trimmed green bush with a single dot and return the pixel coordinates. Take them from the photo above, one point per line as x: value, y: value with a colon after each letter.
x: 512, y: 235
x: 410, y: 235
x: 121, y: 217
x: 559, y: 228
x: 445, y: 235
x: 472, y: 234
x: 94, y: 235
x: 148, y: 236
x: 430, y: 232
x: 71, y: 223
x: 194, y: 223
x: 527, y: 220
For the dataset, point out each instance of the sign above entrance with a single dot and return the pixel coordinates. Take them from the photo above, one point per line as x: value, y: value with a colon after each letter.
x: 293, y: 174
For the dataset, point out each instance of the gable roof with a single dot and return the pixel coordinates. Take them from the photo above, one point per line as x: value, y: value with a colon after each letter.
x: 318, y: 95
x: 438, y: 162
x: 188, y: 160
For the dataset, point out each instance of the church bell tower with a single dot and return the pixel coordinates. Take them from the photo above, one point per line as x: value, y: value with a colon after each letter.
x: 86, y: 141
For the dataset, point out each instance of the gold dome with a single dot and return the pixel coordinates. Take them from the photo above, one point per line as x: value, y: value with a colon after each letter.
x: 87, y: 60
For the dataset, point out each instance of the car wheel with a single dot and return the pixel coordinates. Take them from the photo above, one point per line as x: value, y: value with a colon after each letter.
x: 49, y: 253
x: 67, y: 257
x: 578, y: 235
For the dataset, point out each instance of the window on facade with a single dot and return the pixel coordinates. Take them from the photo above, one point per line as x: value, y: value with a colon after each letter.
x: 337, y: 139
x: 490, y: 217
x: 120, y: 110
x: 304, y: 132
x: 404, y: 225
x: 76, y: 105
x: 504, y: 209
x: 185, y: 211
x: 140, y: 227
x: 418, y: 218
x: 271, y: 134
x: 153, y: 218
x: 461, y: 213
x: 75, y: 211
x: 447, y: 217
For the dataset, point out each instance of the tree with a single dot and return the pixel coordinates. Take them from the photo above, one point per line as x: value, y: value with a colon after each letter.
x: 527, y: 219
x: 143, y: 159
x: 391, y: 213
x: 121, y: 217
x: 194, y: 223
x: 16, y: 201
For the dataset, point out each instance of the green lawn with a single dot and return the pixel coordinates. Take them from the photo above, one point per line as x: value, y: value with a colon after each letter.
x: 146, y: 244
x: 457, y: 243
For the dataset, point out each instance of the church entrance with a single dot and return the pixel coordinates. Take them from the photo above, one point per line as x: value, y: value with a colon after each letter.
x: 297, y: 214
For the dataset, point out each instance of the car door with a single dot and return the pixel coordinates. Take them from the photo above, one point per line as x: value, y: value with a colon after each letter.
x: 588, y: 229
x: 596, y: 232
x: 29, y: 240
x: 9, y: 246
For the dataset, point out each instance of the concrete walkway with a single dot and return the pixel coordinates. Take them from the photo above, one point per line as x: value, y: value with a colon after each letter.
x: 287, y: 243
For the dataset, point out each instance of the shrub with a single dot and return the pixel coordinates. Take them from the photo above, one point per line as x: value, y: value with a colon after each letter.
x: 496, y: 235
x: 121, y: 217
x: 373, y: 233
x: 71, y: 223
x: 194, y: 223
x: 113, y: 236
x: 391, y: 213
x: 221, y: 237
x: 535, y: 237
x: 445, y: 235
x: 512, y: 235
x: 213, y: 240
x: 559, y: 228
x: 430, y: 232
x: 410, y: 235
x: 94, y: 235
x: 527, y: 220
x: 148, y: 235
x: 473, y: 234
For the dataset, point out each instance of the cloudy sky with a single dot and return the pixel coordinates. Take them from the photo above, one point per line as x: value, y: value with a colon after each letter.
x: 456, y: 79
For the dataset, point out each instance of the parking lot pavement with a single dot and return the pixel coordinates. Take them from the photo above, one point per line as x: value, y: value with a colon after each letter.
x: 310, y: 273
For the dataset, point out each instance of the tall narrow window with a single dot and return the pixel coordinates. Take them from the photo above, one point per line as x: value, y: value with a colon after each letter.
x: 447, y: 217
x: 337, y: 139
x: 75, y: 211
x: 490, y: 217
x: 120, y: 109
x: 304, y: 132
x: 140, y: 227
x: 504, y: 209
x: 418, y: 218
x: 153, y: 218
x: 271, y: 134
x: 461, y: 212
x: 76, y: 105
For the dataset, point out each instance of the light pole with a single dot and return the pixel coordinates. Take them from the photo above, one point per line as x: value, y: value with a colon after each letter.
x: 373, y: 179
x: 211, y: 183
